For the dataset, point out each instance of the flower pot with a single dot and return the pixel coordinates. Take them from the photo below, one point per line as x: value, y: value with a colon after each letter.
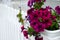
x: 33, y: 37
x: 51, y: 35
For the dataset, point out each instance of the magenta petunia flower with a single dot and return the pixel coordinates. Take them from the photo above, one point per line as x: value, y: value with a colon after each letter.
x: 44, y: 13
x: 57, y: 9
x: 31, y: 2
x: 30, y: 11
x: 22, y: 28
x: 37, y: 26
x: 40, y: 19
x: 34, y: 23
x: 40, y: 27
x: 48, y: 7
x: 40, y: 13
x: 47, y: 23
x: 53, y: 18
x: 34, y: 16
x: 25, y: 34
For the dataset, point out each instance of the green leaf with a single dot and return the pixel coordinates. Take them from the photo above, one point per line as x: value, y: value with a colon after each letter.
x: 54, y: 26
x: 57, y: 26
x: 30, y: 31
x: 38, y: 5
x: 53, y: 13
x: 19, y: 15
x: 58, y: 18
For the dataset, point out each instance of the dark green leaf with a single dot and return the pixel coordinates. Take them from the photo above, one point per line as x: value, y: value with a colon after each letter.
x: 38, y: 5
x: 54, y: 26
x: 20, y: 17
x: 53, y: 13
x: 30, y: 31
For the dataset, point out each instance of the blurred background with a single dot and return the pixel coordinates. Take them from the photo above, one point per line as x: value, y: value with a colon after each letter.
x: 23, y: 3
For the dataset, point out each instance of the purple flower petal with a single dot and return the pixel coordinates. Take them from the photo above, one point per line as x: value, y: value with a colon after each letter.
x: 25, y: 34
x: 57, y: 8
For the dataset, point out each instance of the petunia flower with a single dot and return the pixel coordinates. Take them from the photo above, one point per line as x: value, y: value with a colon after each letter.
x: 47, y: 23
x: 37, y: 26
x: 53, y: 18
x: 48, y: 7
x: 22, y: 28
x: 57, y: 8
x: 31, y: 2
x: 30, y: 11
x: 44, y: 13
x: 34, y: 23
x: 34, y: 16
x: 25, y: 34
